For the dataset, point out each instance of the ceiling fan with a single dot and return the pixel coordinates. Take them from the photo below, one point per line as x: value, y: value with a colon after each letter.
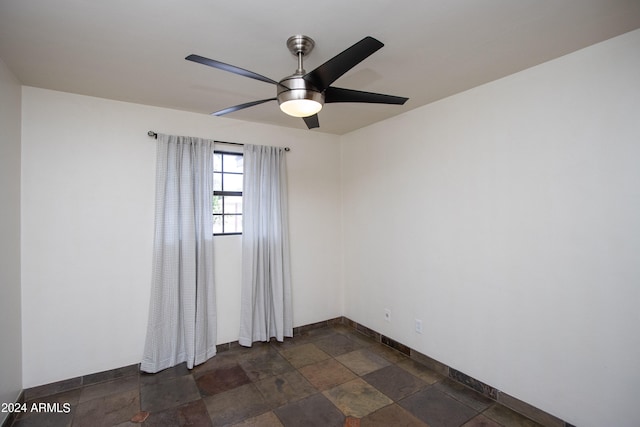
x: 303, y: 94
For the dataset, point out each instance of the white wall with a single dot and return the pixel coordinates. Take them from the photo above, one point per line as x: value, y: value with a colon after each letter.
x: 10, y: 325
x: 504, y: 217
x: 507, y: 219
x: 87, y: 228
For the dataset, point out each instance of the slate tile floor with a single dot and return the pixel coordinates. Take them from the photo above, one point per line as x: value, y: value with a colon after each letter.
x: 331, y: 376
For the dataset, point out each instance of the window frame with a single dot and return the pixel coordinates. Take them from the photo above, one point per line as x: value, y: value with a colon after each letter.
x: 223, y: 193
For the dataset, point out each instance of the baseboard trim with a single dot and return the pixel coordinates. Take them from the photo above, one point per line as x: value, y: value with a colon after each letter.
x: 487, y: 390
x: 529, y: 411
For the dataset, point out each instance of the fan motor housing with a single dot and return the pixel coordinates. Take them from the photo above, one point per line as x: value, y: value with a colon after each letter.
x: 295, y: 87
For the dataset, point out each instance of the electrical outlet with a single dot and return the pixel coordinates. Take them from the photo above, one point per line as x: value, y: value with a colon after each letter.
x: 387, y: 315
x: 419, y: 326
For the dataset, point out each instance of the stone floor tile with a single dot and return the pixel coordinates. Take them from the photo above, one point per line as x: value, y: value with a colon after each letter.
x: 419, y: 370
x: 191, y: 414
x: 297, y: 340
x: 140, y: 417
x: 529, y: 411
x: 327, y: 374
x: 360, y: 338
x: 265, y: 364
x: 221, y: 379
x: 481, y: 421
x: 313, y: 411
x: 391, y: 354
x: 220, y: 360
x: 391, y: 415
x: 268, y: 419
x: 352, y: 422
x: 107, y: 411
x: 505, y: 416
x: 164, y: 375
x: 70, y: 397
x: 303, y: 355
x: 362, y: 361
x: 357, y: 398
x: 395, y: 382
x: 53, y: 388
x: 45, y: 419
x: 342, y: 329
x: 285, y: 388
x: 236, y: 405
x: 109, y: 387
x: 168, y: 394
x: 257, y: 349
x: 464, y: 394
x: 337, y: 344
x: 437, y: 409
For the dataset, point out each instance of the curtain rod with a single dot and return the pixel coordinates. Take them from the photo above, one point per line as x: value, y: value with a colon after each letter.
x: 155, y: 135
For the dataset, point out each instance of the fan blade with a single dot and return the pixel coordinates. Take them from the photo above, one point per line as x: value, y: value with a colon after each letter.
x: 331, y: 70
x: 312, y: 121
x: 230, y: 68
x: 241, y: 106
x: 336, y: 94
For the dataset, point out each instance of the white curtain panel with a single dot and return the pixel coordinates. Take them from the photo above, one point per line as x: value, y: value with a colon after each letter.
x: 266, y: 278
x: 182, y: 316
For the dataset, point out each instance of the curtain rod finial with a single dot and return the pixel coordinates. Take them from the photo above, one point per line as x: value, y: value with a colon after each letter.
x: 153, y: 134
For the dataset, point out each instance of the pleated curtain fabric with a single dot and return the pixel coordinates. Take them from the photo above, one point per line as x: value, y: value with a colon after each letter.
x: 266, y: 310
x: 182, y: 315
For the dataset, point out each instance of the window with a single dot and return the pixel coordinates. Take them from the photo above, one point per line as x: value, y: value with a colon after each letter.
x: 227, y: 192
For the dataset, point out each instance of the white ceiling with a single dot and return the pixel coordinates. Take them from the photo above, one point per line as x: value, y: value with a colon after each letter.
x: 133, y: 50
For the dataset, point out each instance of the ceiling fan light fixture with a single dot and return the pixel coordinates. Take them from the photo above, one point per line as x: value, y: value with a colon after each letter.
x: 298, y: 98
x: 302, y: 107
